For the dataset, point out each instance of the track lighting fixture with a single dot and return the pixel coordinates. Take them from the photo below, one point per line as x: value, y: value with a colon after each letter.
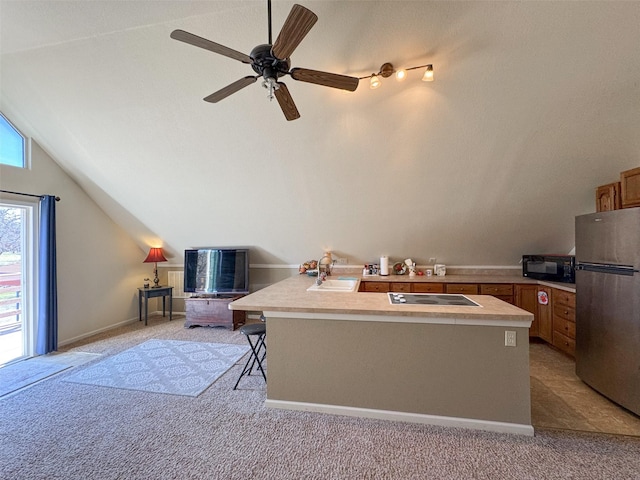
x: 387, y: 69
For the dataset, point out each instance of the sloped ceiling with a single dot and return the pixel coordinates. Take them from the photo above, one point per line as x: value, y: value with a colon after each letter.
x: 534, y: 105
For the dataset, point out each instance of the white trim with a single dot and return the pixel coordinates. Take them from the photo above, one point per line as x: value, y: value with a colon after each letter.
x: 385, y: 317
x: 95, y: 332
x: 29, y: 261
x: 116, y: 325
x: 457, y: 422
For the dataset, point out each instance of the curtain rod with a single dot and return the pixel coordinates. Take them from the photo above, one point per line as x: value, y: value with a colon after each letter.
x: 26, y: 194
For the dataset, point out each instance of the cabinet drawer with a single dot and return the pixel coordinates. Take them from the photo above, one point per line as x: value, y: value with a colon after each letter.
x: 565, y: 327
x: 562, y: 311
x: 375, y: 287
x: 506, y: 298
x: 468, y: 288
x: 560, y: 297
x: 399, y: 287
x: 564, y: 343
x: 496, y: 289
x: 428, y: 288
x: 206, y: 308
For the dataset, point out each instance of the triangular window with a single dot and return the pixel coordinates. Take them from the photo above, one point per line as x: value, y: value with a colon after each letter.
x: 12, y: 144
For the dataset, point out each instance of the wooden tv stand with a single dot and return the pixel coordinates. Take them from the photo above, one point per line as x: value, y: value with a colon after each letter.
x: 213, y: 311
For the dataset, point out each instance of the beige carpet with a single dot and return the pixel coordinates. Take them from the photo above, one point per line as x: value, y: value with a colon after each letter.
x: 60, y: 430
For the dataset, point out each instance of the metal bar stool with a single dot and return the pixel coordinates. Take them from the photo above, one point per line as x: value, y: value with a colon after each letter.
x: 257, y: 356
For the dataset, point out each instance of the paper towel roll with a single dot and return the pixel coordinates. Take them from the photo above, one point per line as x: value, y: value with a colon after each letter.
x: 384, y: 265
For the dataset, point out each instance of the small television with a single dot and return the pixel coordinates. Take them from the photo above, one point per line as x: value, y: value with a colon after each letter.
x: 216, y: 271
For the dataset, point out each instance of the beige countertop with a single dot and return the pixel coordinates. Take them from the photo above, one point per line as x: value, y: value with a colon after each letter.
x: 291, y: 295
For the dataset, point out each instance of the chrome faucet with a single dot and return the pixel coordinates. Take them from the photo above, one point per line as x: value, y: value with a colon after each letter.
x: 323, y: 275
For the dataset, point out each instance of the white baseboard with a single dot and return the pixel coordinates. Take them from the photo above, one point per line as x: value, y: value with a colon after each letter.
x: 457, y: 422
x: 110, y: 327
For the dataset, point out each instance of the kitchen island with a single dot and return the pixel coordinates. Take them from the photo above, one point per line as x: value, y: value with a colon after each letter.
x: 357, y: 354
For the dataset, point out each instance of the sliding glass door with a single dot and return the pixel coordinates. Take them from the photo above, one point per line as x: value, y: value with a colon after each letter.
x: 16, y: 281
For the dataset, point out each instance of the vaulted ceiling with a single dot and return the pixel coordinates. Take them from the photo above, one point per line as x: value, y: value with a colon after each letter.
x: 534, y: 105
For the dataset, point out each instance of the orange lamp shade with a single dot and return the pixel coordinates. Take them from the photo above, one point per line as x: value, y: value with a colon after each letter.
x: 155, y: 255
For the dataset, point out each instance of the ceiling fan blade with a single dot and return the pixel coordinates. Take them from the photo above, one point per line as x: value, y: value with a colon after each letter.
x: 229, y: 89
x: 326, y: 79
x: 295, y: 28
x: 286, y: 102
x: 197, y: 41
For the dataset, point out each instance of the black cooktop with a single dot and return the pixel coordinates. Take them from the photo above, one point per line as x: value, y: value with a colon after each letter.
x: 435, y: 299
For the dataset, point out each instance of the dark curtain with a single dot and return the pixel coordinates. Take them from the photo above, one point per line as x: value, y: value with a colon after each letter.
x: 47, y: 278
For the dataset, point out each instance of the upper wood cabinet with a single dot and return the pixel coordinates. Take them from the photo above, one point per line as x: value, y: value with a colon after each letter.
x: 608, y: 197
x: 630, y: 188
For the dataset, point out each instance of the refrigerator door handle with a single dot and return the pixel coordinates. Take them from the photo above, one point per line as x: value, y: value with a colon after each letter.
x: 607, y: 268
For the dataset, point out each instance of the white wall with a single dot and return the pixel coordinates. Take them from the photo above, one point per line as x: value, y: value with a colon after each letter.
x: 99, y: 265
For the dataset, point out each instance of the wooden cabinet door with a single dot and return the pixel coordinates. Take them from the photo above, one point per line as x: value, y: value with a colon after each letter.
x: 544, y: 315
x: 608, y: 197
x: 527, y: 299
x: 630, y: 188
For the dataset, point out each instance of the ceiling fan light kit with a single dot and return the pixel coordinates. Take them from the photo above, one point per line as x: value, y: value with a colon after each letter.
x: 387, y: 69
x: 272, y: 61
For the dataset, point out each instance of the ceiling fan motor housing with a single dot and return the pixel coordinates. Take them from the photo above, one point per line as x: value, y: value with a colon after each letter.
x: 264, y: 63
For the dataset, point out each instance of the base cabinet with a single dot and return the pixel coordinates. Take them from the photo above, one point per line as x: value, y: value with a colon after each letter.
x: 553, y: 309
x: 405, y: 287
x: 545, y: 314
x: 526, y: 299
x: 213, y: 312
x: 503, y: 291
x: 564, y: 321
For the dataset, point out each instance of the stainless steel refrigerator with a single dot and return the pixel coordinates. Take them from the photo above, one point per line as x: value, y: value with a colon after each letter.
x: 608, y: 304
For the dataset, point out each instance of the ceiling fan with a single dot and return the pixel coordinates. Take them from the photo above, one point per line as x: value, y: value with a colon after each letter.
x: 271, y: 61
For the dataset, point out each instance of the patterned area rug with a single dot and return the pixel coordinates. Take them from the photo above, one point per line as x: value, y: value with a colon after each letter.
x: 164, y: 366
x: 21, y: 374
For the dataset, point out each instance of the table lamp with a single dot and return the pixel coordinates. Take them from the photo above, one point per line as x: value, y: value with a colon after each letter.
x: 155, y: 256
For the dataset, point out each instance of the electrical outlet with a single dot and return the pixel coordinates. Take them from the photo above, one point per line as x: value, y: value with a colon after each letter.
x: 341, y: 261
x: 432, y: 260
x: 509, y: 338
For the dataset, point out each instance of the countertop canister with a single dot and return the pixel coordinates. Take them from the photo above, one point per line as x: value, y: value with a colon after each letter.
x: 384, y: 265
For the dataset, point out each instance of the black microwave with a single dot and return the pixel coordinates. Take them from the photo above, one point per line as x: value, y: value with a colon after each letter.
x: 554, y: 268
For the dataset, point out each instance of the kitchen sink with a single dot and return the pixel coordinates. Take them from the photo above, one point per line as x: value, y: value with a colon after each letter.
x: 339, y: 285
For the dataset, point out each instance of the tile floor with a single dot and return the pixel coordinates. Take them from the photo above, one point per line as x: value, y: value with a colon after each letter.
x: 559, y: 399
